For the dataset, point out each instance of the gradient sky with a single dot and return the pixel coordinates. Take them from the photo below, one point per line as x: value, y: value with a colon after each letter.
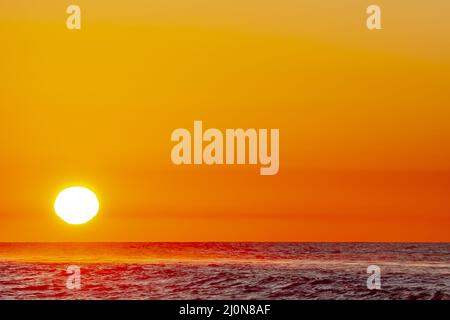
x: 363, y: 118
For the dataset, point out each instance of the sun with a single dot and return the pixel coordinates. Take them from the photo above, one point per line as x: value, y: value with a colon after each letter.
x: 76, y: 205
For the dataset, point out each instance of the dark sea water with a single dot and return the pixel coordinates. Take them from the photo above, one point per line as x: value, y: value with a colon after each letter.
x: 225, y: 270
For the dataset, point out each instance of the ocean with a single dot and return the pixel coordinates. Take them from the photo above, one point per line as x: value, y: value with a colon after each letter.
x: 410, y: 271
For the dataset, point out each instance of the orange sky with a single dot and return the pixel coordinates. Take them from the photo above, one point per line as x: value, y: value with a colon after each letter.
x: 363, y: 118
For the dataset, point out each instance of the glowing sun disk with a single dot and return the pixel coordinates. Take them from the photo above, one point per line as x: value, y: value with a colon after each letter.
x: 76, y: 205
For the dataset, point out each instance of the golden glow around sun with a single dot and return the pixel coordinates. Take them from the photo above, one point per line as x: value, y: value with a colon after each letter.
x: 76, y: 205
